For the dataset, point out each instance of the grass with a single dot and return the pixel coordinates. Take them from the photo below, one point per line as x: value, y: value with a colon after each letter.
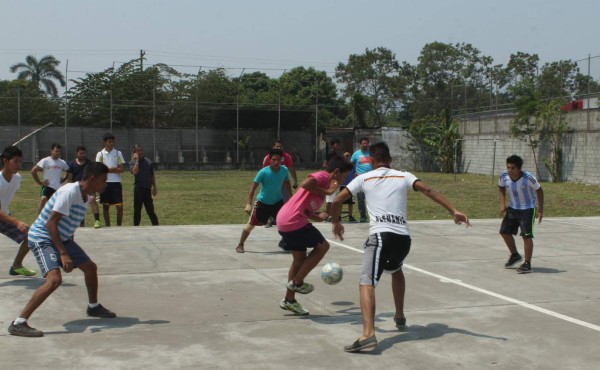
x: 218, y: 197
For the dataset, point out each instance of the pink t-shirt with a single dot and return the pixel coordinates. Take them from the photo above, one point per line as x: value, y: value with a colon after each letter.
x: 294, y: 213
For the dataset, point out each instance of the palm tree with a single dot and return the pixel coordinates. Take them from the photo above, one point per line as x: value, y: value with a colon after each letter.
x: 41, y: 72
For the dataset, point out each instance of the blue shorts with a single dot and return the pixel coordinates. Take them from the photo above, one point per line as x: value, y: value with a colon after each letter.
x: 48, y: 257
x: 300, y: 240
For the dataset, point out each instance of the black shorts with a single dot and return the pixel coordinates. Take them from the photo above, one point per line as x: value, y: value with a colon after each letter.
x: 349, y: 200
x: 518, y: 218
x: 113, y: 194
x: 47, y: 192
x: 300, y: 240
x: 383, y: 252
x: 262, y: 212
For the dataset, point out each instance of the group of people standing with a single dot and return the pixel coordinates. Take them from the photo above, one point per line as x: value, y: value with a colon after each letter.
x: 382, y: 193
x: 62, y: 209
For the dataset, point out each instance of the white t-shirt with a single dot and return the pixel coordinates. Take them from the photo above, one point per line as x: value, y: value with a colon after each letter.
x: 53, y: 169
x: 385, y: 193
x: 522, y: 192
x: 67, y: 201
x: 8, y: 190
x: 111, y: 159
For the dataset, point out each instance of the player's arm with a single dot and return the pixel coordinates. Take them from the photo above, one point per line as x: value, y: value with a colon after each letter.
x: 540, y: 199
x: 310, y: 184
x: 250, y: 197
x: 36, y: 177
x: 336, y: 210
x: 136, y: 164
x: 292, y: 170
x: 69, y: 176
x: 288, y: 186
x: 440, y: 199
x: 502, y: 191
x: 22, y: 226
x: 154, y: 188
x: 52, y: 226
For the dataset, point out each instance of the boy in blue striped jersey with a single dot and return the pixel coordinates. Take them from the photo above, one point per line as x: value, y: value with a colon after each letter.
x: 51, y: 241
x: 524, y: 189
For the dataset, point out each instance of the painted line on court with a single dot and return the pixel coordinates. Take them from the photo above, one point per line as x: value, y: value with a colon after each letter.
x: 573, y: 223
x: 490, y: 293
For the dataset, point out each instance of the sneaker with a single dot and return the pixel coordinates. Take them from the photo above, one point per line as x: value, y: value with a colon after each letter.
x: 97, y: 224
x: 23, y: 271
x: 24, y: 330
x: 359, y: 345
x: 269, y: 223
x: 525, y: 268
x: 100, y: 311
x: 305, y: 288
x: 514, y: 258
x: 351, y: 219
x: 294, y: 307
x: 400, y: 322
x: 363, y: 220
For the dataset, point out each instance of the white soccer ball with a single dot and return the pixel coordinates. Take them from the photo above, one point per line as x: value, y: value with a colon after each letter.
x: 332, y: 273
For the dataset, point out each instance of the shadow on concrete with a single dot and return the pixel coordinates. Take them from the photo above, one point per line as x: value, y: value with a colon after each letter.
x: 31, y: 283
x: 546, y: 270
x: 418, y: 332
x: 96, y: 325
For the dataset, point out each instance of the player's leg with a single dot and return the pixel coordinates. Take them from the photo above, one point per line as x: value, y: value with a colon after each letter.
x: 310, y: 262
x: 508, y: 228
x: 137, y: 205
x: 17, y: 265
x: 398, y: 290
x: 149, y: 205
x: 41, y: 204
x: 245, y: 234
x: 367, y: 308
x: 362, y: 209
x: 95, y: 210
x: 53, y: 281
x: 106, y: 213
x: 298, y: 260
x: 119, y: 214
x: 258, y: 217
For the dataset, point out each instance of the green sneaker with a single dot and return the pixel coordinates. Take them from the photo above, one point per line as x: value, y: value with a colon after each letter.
x: 23, y: 271
x: 294, y: 307
x: 305, y: 288
x: 97, y: 225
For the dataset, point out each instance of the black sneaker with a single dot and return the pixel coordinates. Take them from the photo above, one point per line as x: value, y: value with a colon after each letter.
x: 514, y: 258
x: 525, y: 268
x: 100, y: 311
x: 351, y: 219
x: 24, y: 330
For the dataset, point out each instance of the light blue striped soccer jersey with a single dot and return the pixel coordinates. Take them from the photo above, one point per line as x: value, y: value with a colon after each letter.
x: 522, y: 192
x: 69, y: 202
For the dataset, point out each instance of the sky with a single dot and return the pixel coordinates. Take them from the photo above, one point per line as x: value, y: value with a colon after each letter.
x: 275, y: 35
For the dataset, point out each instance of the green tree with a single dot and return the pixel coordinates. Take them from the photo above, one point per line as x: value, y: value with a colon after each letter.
x: 371, y: 75
x: 43, y: 73
x: 552, y: 126
x: 22, y: 100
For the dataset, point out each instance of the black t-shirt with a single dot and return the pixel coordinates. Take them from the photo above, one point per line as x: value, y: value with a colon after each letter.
x: 77, y: 169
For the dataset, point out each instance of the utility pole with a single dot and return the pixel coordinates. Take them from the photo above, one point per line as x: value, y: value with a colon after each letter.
x: 142, y: 53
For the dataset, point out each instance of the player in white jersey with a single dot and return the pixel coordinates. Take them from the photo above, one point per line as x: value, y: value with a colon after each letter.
x: 524, y: 190
x: 51, y: 241
x: 53, y: 167
x: 389, y: 241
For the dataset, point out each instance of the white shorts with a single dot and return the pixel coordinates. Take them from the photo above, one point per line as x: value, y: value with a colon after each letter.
x: 331, y: 198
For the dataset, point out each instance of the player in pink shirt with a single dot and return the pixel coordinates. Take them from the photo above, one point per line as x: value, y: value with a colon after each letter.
x: 299, y: 234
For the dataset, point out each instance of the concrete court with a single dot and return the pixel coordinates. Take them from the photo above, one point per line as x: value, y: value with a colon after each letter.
x: 185, y: 299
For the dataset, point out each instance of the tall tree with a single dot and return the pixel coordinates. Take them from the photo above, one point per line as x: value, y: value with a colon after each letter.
x: 371, y: 75
x: 43, y: 73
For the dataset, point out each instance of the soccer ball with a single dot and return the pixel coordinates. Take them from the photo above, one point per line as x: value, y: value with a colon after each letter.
x: 332, y: 273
